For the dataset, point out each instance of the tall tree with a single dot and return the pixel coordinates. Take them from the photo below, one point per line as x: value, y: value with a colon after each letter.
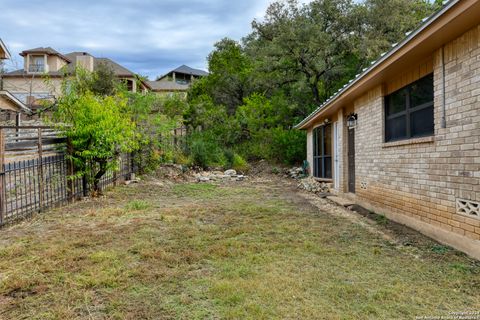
x: 228, y: 82
x: 381, y: 23
x: 304, y: 43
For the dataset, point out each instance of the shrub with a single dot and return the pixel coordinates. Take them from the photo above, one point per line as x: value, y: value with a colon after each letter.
x: 181, y: 158
x: 288, y: 145
x: 205, y: 152
x: 239, y: 163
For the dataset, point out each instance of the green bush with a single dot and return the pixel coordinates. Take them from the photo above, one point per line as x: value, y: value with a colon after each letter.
x: 239, y: 163
x: 275, y: 145
x: 289, y: 146
x: 205, y: 152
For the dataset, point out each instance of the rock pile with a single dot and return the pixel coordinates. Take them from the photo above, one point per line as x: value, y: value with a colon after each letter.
x: 311, y: 185
x: 229, y: 175
x: 174, y: 173
x: 295, y: 173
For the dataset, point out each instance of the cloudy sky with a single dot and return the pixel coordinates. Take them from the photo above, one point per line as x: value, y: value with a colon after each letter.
x: 149, y: 37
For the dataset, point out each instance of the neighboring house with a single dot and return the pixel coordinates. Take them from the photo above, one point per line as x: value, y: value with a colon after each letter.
x: 177, y: 81
x: 28, y: 84
x: 10, y: 106
x: 403, y: 138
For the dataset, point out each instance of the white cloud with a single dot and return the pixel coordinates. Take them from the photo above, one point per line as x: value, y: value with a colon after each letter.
x: 148, y: 36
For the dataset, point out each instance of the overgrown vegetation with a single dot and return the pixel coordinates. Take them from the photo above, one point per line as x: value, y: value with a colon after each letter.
x: 204, y: 251
x: 102, y: 120
x: 294, y: 59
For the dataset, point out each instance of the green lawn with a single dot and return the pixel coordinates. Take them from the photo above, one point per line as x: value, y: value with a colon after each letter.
x: 236, y: 251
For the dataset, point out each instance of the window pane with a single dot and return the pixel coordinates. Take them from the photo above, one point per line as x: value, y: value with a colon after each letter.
x: 421, y: 122
x: 397, y: 102
x: 315, y: 142
x: 328, y: 140
x: 328, y: 168
x: 396, y: 129
x: 421, y: 91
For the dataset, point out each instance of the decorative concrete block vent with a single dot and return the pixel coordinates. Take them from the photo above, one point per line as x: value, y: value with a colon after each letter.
x: 468, y: 208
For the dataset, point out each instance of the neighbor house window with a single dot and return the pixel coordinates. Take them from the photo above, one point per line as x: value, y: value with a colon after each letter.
x: 37, y: 64
x: 322, y: 152
x: 409, y: 111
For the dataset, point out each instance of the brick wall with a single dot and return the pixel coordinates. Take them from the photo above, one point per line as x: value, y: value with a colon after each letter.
x: 423, y: 178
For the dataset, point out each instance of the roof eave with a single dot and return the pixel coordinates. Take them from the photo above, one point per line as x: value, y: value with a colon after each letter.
x: 19, y: 103
x: 5, y: 49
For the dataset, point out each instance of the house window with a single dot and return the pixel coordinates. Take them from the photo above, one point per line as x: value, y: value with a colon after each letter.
x: 409, y: 111
x: 37, y: 64
x: 128, y: 85
x: 322, y: 152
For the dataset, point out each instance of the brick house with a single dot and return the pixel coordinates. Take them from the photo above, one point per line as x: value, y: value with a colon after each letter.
x: 403, y: 137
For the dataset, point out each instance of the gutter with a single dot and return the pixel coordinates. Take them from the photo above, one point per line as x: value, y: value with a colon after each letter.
x: 375, y: 64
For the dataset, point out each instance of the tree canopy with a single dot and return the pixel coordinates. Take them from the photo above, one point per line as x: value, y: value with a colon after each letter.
x: 294, y: 59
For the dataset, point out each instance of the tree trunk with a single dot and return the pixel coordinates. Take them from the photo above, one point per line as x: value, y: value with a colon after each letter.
x: 96, y: 179
x: 316, y: 93
x: 85, y: 185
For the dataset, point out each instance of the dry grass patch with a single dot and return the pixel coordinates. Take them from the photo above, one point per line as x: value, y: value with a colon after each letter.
x: 238, y: 251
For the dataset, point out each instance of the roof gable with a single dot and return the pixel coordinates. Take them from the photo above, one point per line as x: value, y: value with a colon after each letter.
x: 45, y: 50
x: 4, y: 53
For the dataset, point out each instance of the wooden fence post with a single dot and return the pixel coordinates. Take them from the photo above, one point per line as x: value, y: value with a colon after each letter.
x: 40, y: 169
x: 2, y: 177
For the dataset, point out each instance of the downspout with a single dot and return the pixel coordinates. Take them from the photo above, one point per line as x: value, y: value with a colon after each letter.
x: 444, y: 99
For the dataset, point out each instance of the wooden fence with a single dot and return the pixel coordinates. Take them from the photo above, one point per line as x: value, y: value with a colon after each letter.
x: 35, y: 173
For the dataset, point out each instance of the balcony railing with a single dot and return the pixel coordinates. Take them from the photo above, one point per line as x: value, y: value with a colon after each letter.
x: 36, y: 68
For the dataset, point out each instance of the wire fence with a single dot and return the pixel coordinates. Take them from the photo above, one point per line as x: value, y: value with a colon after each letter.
x: 36, y: 174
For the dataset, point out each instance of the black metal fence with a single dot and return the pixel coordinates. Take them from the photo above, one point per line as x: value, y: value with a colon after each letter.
x: 35, y: 173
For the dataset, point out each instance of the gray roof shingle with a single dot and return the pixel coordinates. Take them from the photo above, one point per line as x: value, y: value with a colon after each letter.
x: 71, y: 57
x: 47, y: 50
x: 185, y: 70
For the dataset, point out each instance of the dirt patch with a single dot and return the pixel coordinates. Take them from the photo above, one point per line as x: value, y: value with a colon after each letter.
x: 396, y: 233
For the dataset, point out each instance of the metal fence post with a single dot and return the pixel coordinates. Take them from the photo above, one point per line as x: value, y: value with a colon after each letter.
x: 70, y: 172
x: 2, y: 177
x: 40, y: 169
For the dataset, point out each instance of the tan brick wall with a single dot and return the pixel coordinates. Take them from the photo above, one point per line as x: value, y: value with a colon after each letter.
x: 422, y: 180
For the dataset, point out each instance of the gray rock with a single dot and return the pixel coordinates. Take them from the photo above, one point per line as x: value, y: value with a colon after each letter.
x: 203, y: 179
x: 230, y: 172
x: 311, y: 185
